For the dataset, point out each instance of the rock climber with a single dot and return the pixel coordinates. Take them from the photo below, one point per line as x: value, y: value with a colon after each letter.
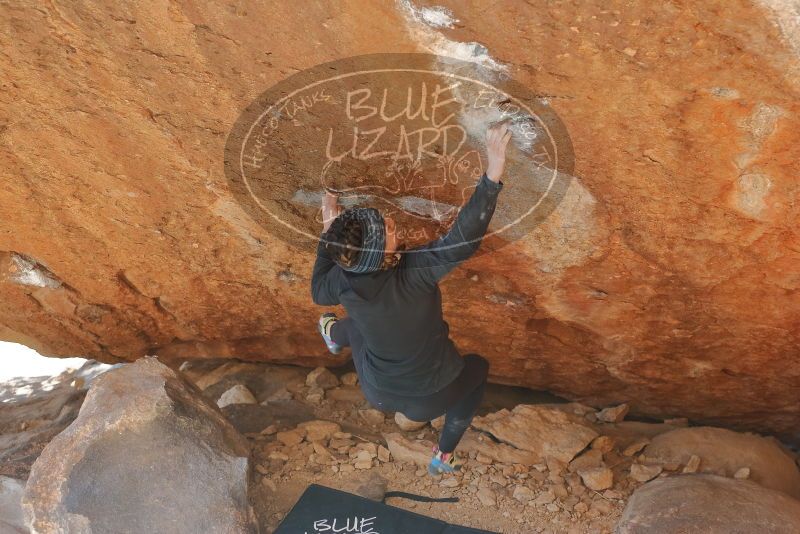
x: 401, y: 349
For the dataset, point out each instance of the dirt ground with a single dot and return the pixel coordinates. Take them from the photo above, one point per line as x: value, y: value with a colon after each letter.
x: 280, y: 479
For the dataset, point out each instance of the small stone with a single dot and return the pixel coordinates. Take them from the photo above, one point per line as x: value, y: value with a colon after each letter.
x: 522, y: 493
x: 560, y: 491
x: 271, y: 429
x: 450, y: 482
x: 290, y: 438
x: 319, y: 430
x: 487, y: 496
x: 321, y: 378
x: 554, y: 465
x: 604, y: 444
x: 692, y: 465
x: 372, y: 416
x: 363, y: 460
x: 602, y: 506
x: 383, y: 454
x: 552, y: 507
x: 238, y: 394
x: 349, y: 379
x: 546, y: 497
x: 346, y: 468
x: 587, y: 460
x: 612, y: 494
x: 370, y: 448
x: 315, y: 395
x: 597, y: 478
x: 277, y: 455
x: 635, y: 447
x: 581, y: 507
x: 630, y: 52
x: 643, y: 473
x: 613, y: 415
x: 280, y: 395
x: 742, y: 474
x: 407, y: 424
x: 263, y: 469
x: 482, y: 458
x: 570, y: 502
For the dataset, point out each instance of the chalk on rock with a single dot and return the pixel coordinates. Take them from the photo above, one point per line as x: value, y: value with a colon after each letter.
x: 238, y: 394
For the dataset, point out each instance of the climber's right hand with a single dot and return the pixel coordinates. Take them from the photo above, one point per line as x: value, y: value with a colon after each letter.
x: 497, y: 137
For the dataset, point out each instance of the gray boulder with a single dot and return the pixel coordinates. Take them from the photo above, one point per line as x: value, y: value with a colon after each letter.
x: 11, y: 520
x: 147, y: 453
x: 724, y: 452
x: 709, y: 504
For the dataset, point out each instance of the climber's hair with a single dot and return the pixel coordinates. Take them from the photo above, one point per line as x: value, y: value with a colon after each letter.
x: 343, y: 239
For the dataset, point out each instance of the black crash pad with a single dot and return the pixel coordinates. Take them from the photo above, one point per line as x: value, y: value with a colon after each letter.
x: 322, y: 510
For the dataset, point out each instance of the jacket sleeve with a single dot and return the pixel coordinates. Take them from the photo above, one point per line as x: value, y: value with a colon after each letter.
x: 429, y: 263
x: 325, y: 279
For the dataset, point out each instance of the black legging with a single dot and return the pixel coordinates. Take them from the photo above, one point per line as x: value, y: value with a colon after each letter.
x: 458, y: 401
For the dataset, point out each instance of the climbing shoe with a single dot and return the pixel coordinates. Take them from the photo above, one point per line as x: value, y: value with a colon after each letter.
x: 443, y: 462
x: 326, y: 321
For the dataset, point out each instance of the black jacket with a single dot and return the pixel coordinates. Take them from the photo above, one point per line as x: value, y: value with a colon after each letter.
x: 407, y: 348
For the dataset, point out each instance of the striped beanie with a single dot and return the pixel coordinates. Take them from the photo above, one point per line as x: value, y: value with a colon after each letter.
x: 373, y: 245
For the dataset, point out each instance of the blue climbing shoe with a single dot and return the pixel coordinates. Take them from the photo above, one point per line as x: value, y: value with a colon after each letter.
x: 326, y: 321
x: 443, y: 462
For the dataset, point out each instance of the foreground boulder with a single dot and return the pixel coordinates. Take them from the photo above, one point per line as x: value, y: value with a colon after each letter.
x: 11, y: 520
x: 709, y: 504
x: 724, y: 452
x: 147, y: 453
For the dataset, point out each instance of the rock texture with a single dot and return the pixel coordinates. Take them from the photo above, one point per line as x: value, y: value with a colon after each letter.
x: 723, y: 452
x: 708, y: 504
x: 11, y: 518
x: 121, y: 238
x: 147, y: 453
x: 546, y: 431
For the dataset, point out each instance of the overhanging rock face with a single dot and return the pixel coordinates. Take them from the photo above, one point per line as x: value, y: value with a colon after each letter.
x: 667, y: 276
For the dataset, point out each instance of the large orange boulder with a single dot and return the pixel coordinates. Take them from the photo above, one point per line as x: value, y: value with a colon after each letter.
x: 664, y: 273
